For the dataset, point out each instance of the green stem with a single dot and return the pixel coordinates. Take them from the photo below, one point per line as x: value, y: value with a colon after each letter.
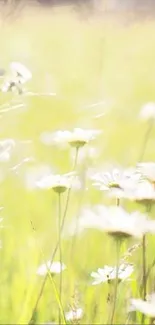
x: 118, y: 244
x: 53, y: 284
x: 144, y: 281
x: 146, y: 138
x: 58, y: 299
x: 60, y: 250
x: 117, y: 202
x: 56, y: 247
x: 74, y: 239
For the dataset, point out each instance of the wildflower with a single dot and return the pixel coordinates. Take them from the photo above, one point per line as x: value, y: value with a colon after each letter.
x: 53, y: 268
x: 59, y: 183
x: 73, y: 315
x: 145, y: 307
x: 143, y: 192
x: 21, y: 72
x: 6, y: 147
x: 10, y: 85
x: 115, y: 181
x: 148, y: 111
x: 35, y: 173
x: 115, y: 221
x: 108, y: 273
x: 19, y: 75
x: 147, y: 170
x: 76, y: 138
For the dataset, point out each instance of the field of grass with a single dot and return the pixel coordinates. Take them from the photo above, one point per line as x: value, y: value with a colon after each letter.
x: 84, y: 61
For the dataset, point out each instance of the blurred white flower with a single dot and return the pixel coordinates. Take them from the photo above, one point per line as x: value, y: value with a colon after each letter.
x: 9, y: 85
x: 102, y: 275
x: 53, y: 268
x: 76, y: 138
x: 116, y: 221
x: 148, y: 111
x: 147, y: 169
x: 59, y: 183
x: 117, y: 179
x: 145, y: 307
x: 35, y: 173
x: 6, y: 147
x: 20, y: 71
x: 19, y: 75
x: 143, y: 192
x: 108, y: 273
x: 74, y: 315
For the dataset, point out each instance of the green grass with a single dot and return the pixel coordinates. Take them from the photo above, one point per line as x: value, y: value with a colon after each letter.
x: 84, y: 61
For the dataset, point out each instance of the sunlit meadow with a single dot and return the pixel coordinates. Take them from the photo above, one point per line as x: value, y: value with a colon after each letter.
x: 94, y: 73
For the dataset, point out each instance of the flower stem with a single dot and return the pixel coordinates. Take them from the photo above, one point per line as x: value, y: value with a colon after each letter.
x: 117, y: 202
x: 56, y: 247
x: 53, y: 284
x: 74, y: 239
x: 118, y: 244
x: 60, y: 250
x: 145, y: 272
x: 146, y: 138
x: 144, y: 281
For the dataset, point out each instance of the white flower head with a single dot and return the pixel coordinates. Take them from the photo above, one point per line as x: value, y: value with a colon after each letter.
x: 53, y: 268
x: 147, y: 169
x: 115, y: 221
x: 115, y: 181
x: 74, y: 315
x: 6, y: 148
x: 145, y: 307
x: 20, y: 71
x: 59, y: 183
x: 148, y: 111
x: 9, y: 85
x: 18, y: 76
x: 108, y: 273
x: 143, y: 192
x: 35, y: 173
x: 76, y: 138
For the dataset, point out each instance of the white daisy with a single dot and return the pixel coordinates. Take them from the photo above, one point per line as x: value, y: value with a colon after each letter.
x: 145, y: 307
x: 76, y: 138
x: 102, y: 275
x: 9, y: 85
x: 143, y: 192
x: 116, y: 221
x: 117, y: 179
x: 147, y: 111
x: 147, y: 169
x: 6, y: 147
x: 53, y: 268
x: 109, y: 273
x: 18, y: 76
x: 74, y: 315
x: 35, y: 173
x: 20, y: 71
x: 59, y: 183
